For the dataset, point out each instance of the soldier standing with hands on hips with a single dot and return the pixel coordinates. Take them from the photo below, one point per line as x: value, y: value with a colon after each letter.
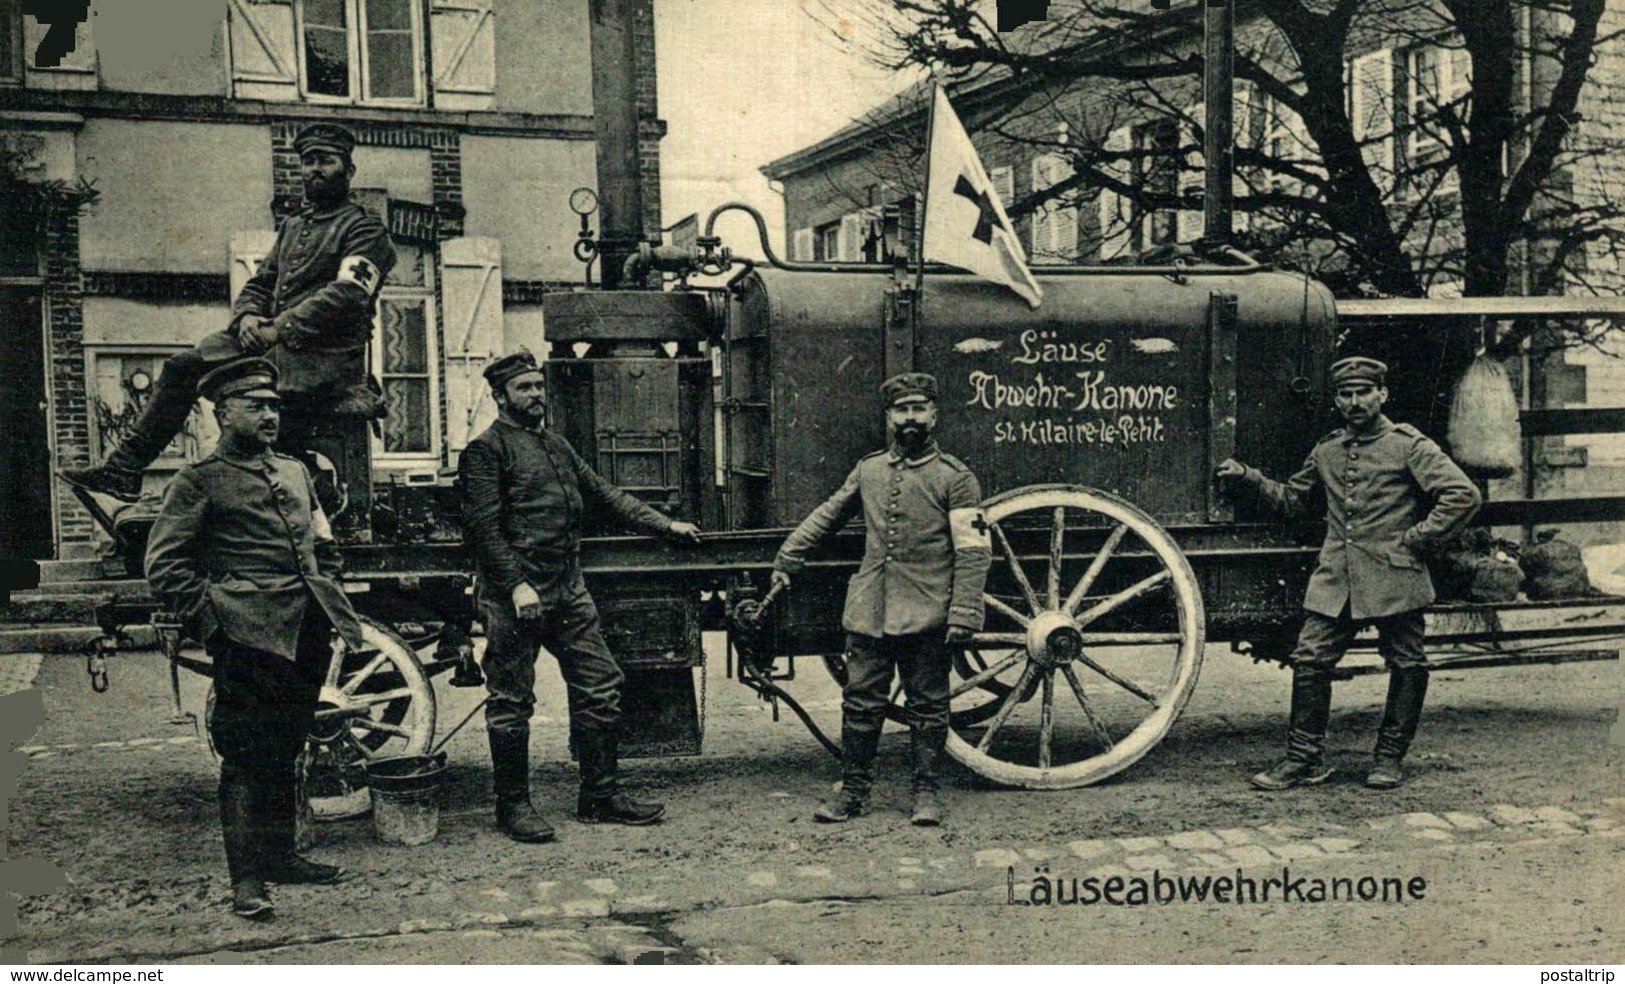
x: 308, y: 309
x: 523, y: 490
x: 1391, y: 494
x: 242, y: 553
x: 917, y: 594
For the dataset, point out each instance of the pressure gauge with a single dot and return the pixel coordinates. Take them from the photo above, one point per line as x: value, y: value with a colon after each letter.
x: 140, y: 381
x: 583, y: 201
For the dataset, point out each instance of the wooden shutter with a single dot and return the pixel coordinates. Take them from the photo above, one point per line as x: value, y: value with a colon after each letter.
x: 1371, y: 110
x: 1191, y: 222
x: 264, y: 50
x: 1043, y: 229
x: 75, y: 70
x: 248, y: 248
x: 471, y: 297
x: 801, y: 245
x: 1116, y: 212
x: 1004, y: 185
x: 463, y: 35
x: 852, y: 230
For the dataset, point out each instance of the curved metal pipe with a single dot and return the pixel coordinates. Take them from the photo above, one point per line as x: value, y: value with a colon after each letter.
x: 1244, y: 263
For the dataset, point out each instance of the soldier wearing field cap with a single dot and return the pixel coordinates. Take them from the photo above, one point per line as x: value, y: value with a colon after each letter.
x: 524, y: 489
x: 242, y: 553
x: 1390, y: 495
x: 916, y: 595
x: 308, y: 308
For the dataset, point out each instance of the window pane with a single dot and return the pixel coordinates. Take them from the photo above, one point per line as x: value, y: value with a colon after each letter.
x: 406, y: 345
x: 328, y: 13
x: 384, y: 15
x: 389, y: 65
x: 406, y: 426
x: 327, y: 61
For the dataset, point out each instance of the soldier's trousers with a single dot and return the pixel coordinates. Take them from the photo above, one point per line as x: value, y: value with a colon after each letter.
x: 922, y: 660
x: 263, y: 710
x: 569, y: 628
x: 1324, y: 641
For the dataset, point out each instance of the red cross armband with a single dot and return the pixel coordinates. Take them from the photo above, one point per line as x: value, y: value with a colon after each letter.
x: 969, y: 529
x: 362, y: 272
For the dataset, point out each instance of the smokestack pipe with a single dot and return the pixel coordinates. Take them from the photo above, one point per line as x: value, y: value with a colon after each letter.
x: 1218, y: 147
x: 615, y: 122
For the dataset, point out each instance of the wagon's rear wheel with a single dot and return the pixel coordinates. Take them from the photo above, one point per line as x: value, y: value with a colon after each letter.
x: 1082, y: 668
x: 377, y: 701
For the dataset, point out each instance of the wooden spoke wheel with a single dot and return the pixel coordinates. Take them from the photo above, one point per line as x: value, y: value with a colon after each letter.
x: 375, y: 702
x: 1085, y: 661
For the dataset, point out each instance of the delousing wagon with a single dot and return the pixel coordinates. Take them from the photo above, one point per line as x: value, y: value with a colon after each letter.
x: 1093, y: 423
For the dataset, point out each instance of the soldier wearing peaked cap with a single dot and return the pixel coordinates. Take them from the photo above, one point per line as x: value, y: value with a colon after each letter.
x: 917, y: 593
x: 524, y: 490
x: 308, y: 308
x: 243, y: 554
x: 1390, y: 494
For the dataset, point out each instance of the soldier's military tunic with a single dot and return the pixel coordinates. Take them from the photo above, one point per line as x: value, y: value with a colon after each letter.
x: 1389, y: 495
x: 523, y: 495
x: 319, y: 286
x: 241, y: 552
x: 925, y: 560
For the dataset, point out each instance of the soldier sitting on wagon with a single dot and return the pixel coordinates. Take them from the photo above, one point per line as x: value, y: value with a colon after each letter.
x: 1390, y: 495
x: 308, y: 309
x: 917, y: 593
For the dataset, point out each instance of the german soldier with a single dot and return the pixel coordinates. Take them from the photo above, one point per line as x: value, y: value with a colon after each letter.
x: 242, y: 552
x: 523, y: 490
x: 1390, y: 494
x: 917, y: 593
x: 308, y: 309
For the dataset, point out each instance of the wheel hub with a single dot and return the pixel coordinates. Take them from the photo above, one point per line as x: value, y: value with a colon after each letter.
x: 333, y: 713
x: 1053, y: 639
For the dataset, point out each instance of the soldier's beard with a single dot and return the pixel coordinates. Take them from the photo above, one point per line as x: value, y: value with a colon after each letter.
x: 912, y: 438
x: 524, y: 416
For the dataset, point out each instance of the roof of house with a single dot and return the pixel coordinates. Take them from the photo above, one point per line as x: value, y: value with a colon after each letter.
x: 909, y: 105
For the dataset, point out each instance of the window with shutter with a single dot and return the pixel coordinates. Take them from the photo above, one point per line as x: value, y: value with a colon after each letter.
x: 801, y: 245
x: 56, y: 69
x: 465, y: 66
x: 1055, y: 223
x: 264, y: 51
x: 471, y: 298
x: 1116, y: 218
x: 1371, y: 111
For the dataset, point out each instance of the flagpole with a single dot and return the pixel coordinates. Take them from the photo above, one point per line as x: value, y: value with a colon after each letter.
x: 925, y: 197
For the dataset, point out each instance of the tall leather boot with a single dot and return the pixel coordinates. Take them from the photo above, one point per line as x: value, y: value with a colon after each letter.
x: 248, y: 896
x: 160, y: 420
x: 1306, y: 735
x: 510, y: 774
x: 860, y: 742
x: 1407, y: 691
x: 927, y: 747
x: 282, y: 863
x: 601, y: 799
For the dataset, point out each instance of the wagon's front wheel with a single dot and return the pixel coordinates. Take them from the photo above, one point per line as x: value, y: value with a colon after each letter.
x: 1089, y: 653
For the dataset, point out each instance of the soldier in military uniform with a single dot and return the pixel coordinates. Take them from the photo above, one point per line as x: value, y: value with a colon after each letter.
x: 1390, y: 494
x: 242, y: 553
x: 917, y: 594
x: 523, y: 490
x: 308, y: 309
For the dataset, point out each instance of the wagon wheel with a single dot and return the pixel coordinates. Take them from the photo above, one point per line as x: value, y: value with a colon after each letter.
x: 1120, y: 661
x: 377, y: 701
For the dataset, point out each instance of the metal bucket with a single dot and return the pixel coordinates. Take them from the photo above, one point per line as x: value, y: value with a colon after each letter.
x: 406, y: 798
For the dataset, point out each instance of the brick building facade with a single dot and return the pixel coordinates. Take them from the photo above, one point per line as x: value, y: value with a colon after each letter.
x: 473, y: 121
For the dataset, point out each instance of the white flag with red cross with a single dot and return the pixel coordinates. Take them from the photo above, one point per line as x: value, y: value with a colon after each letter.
x: 965, y: 224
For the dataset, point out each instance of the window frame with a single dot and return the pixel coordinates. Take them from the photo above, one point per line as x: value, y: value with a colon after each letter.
x: 423, y: 294
x: 14, y: 69
x: 357, y: 57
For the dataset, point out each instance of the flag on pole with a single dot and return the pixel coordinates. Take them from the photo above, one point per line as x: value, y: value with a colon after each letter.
x: 965, y: 224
